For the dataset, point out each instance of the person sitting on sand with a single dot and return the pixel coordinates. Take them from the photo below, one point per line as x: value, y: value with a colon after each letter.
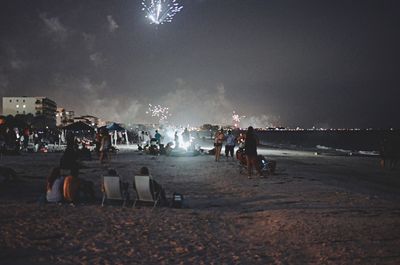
x: 71, y: 186
x: 168, y: 149
x: 54, y: 186
x: 155, y: 187
x: 250, y: 149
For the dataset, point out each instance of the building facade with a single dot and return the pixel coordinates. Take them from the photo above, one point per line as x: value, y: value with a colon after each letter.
x: 64, y: 117
x: 42, y: 107
x: 88, y: 119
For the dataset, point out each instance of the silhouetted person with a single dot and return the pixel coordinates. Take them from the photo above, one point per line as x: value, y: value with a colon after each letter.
x: 230, y: 144
x: 250, y: 149
x: 218, y: 140
x: 69, y: 159
x: 158, y: 137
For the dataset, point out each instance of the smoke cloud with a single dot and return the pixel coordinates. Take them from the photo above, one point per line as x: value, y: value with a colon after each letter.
x: 97, y: 58
x: 89, y: 40
x: 195, y: 106
x: 262, y: 121
x: 93, y: 98
x: 188, y: 105
x: 54, y: 27
x: 112, y: 25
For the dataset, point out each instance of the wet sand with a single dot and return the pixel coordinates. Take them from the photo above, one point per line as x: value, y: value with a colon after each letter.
x: 314, y: 210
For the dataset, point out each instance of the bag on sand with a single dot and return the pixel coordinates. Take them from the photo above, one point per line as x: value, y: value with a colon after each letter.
x: 177, y: 200
x: 266, y: 165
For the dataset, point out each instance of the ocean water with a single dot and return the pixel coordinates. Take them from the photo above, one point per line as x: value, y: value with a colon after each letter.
x: 361, y: 142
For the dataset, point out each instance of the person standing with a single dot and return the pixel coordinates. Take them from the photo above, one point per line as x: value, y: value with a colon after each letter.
x: 158, y: 137
x: 104, y: 146
x: 186, y: 136
x: 250, y: 150
x: 147, y: 139
x: 218, y: 140
x: 230, y: 144
x: 176, y: 139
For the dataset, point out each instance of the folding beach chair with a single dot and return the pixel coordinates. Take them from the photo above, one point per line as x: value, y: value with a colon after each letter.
x: 144, y: 191
x: 112, y: 190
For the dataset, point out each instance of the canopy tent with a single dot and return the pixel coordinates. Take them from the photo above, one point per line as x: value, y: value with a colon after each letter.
x: 115, y: 127
x: 78, y: 126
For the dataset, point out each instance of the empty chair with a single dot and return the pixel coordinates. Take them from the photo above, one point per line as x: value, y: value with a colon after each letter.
x: 113, y: 190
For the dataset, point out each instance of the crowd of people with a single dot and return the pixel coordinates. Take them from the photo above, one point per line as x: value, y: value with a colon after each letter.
x: 63, y: 185
x: 13, y: 140
x: 246, y: 153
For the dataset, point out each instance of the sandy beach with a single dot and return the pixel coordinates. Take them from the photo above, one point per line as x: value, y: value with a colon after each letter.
x: 316, y: 209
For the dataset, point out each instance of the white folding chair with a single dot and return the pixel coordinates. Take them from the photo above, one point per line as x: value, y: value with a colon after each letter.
x: 112, y: 189
x: 144, y: 191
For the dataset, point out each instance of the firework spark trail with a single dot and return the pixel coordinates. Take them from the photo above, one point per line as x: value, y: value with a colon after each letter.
x: 162, y: 113
x: 161, y: 11
x: 236, y: 118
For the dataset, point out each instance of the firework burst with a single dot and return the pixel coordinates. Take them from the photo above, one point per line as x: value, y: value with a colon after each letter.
x: 236, y: 118
x: 161, y: 11
x: 162, y: 113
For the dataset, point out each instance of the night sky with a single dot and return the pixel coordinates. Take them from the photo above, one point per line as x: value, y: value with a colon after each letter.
x: 286, y: 63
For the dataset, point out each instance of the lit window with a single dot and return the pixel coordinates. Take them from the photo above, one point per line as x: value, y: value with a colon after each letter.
x: 17, y: 106
x: 24, y: 106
